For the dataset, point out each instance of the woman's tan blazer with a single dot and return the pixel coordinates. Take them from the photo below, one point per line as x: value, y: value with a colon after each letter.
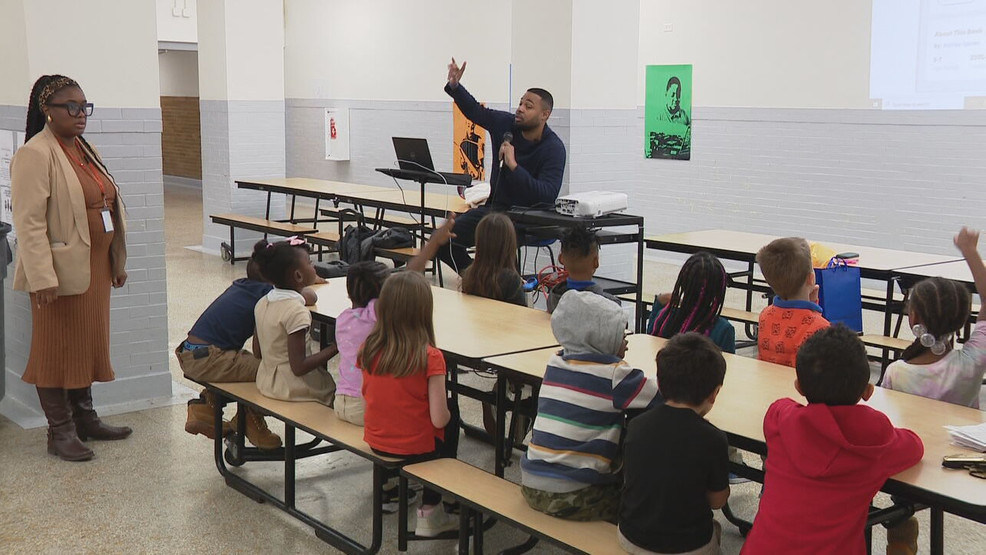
x: 50, y: 220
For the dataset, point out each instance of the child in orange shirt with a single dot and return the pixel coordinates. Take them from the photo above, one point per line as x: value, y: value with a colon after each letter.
x: 794, y: 315
x: 407, y: 412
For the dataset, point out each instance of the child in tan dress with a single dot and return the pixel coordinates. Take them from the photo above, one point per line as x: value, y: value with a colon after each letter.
x: 287, y: 371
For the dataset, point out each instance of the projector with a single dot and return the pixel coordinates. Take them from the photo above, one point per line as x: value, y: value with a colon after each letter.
x: 591, y: 203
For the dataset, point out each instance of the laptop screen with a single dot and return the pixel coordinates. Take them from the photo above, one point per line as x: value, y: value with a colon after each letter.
x: 413, y: 154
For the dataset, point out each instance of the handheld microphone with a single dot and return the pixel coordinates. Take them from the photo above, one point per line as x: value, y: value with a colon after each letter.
x: 508, y: 138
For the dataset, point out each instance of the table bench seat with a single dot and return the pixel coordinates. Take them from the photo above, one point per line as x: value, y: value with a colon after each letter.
x: 253, y: 223
x: 317, y: 420
x: 487, y: 494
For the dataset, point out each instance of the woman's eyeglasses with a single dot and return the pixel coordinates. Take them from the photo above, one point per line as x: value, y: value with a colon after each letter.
x: 75, y: 110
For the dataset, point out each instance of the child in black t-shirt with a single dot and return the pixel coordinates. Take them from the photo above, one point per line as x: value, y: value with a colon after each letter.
x: 676, y: 465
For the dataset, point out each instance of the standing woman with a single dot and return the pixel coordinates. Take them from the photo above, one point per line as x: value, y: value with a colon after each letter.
x: 71, y: 237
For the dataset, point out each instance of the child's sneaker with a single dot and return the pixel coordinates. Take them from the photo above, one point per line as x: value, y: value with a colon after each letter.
x: 391, y: 499
x: 433, y: 522
x: 736, y: 479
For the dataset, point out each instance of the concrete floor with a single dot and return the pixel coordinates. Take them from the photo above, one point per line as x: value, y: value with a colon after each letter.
x: 159, y: 491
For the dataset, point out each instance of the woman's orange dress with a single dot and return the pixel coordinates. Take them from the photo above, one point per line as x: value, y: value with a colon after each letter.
x: 70, y: 342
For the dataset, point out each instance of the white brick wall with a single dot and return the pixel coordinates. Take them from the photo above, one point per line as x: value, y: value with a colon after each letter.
x: 129, y: 141
x: 904, y: 180
x: 239, y: 139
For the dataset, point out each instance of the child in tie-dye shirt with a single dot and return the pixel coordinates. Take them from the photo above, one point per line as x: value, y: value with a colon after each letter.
x: 937, y: 309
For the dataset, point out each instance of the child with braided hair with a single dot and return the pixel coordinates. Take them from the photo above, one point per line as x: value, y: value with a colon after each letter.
x: 937, y: 308
x: 695, y: 303
x: 931, y: 366
x: 287, y: 371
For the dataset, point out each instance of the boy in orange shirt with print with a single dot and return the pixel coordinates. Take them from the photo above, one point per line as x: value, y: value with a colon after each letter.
x: 794, y: 315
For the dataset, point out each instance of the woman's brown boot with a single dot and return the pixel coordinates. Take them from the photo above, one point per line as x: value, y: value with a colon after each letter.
x: 62, y: 438
x: 87, y: 422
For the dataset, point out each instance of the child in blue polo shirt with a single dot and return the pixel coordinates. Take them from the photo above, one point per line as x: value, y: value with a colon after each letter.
x: 213, y: 352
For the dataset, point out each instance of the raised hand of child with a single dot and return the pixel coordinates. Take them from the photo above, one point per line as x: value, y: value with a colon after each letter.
x: 444, y: 234
x: 967, y: 241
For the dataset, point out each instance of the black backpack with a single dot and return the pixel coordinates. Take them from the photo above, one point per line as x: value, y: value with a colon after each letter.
x: 350, y: 245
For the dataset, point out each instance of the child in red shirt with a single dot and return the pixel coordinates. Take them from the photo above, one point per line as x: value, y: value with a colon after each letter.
x: 828, y: 459
x: 794, y: 314
x: 407, y: 414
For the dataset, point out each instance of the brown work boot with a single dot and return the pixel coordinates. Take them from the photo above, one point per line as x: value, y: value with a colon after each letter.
x: 257, y: 431
x: 903, y: 538
x: 62, y: 438
x: 87, y: 422
x: 200, y: 418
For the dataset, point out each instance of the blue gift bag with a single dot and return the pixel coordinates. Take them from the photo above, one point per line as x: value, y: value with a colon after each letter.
x: 839, y: 294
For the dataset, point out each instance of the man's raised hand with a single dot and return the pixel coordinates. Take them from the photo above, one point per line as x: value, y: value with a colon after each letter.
x: 455, y: 73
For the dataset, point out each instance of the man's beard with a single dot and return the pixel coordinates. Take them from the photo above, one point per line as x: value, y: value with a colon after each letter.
x: 527, y: 126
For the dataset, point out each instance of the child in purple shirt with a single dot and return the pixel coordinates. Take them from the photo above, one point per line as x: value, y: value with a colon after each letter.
x: 363, y: 283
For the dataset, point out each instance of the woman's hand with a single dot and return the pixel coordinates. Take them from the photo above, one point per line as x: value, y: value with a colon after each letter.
x: 120, y: 280
x: 46, y: 296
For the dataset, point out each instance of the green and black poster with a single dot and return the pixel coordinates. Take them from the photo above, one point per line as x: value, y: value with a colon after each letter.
x: 667, y: 112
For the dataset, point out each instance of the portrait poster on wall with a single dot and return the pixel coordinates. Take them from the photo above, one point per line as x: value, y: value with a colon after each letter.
x: 667, y: 112
x: 468, y: 150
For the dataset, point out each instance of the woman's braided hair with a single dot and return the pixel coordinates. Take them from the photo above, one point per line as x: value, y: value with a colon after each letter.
x: 41, y: 92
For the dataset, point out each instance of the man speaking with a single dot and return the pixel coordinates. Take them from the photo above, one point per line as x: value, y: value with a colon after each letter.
x: 529, y: 167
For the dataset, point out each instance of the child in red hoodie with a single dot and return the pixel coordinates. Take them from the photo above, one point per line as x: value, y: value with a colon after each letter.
x: 828, y: 459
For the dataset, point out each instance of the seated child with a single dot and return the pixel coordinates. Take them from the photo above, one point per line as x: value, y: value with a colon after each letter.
x: 931, y: 367
x: 580, y: 257
x: 675, y: 465
x: 213, y: 352
x: 695, y: 303
x: 829, y: 458
x: 794, y: 315
x: 569, y: 469
x: 493, y: 273
x: 937, y: 309
x: 407, y: 412
x: 363, y: 283
x: 287, y: 371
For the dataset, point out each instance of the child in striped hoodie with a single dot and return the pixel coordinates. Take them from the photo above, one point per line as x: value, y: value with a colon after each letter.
x: 570, y: 469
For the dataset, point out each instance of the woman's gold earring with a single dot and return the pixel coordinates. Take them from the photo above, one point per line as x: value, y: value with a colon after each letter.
x: 49, y: 118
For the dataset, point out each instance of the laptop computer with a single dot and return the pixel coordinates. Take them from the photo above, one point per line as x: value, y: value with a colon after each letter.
x: 414, y: 155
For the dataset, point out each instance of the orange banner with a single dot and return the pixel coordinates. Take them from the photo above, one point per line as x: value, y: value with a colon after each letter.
x: 469, y: 150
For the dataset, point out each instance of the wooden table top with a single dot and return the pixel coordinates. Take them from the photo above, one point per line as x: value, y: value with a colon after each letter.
x: 752, y: 385
x: 957, y: 271
x: 435, y: 203
x: 304, y: 186
x: 744, y: 246
x: 465, y: 325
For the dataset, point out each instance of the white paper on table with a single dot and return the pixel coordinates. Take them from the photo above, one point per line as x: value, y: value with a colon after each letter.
x: 970, y: 437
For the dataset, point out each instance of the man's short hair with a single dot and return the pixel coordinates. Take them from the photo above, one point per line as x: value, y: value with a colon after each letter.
x: 673, y: 81
x: 832, y: 367
x: 786, y: 265
x: 546, y: 98
x: 689, y: 368
x: 579, y: 241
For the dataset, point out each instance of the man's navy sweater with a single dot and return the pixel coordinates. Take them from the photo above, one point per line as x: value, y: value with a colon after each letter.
x: 540, y: 165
